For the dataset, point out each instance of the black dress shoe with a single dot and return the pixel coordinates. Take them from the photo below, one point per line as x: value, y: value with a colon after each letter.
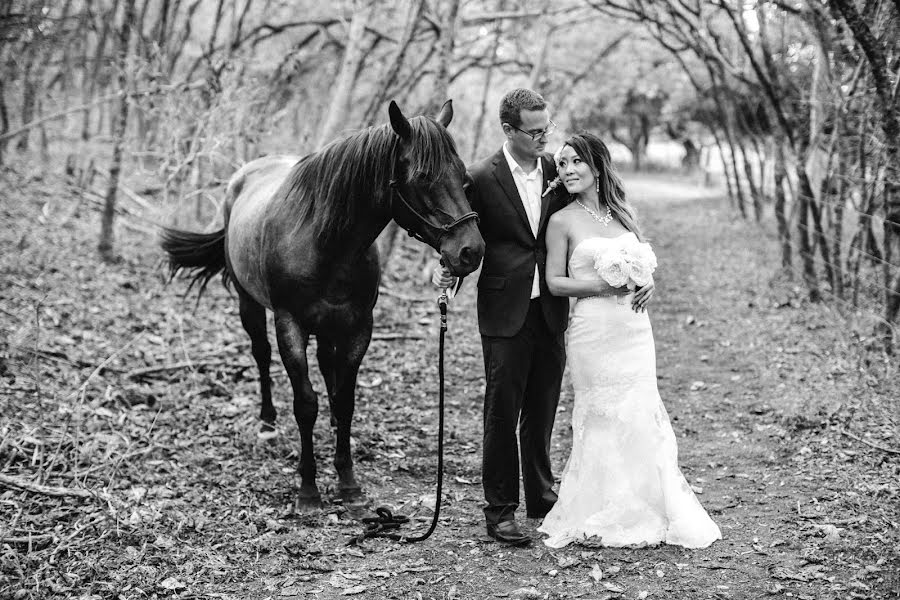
x: 508, y: 532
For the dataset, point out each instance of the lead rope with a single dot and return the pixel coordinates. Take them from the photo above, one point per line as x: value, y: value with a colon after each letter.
x: 386, y: 521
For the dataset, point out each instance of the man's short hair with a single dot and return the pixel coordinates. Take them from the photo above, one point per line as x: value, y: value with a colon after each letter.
x: 517, y: 100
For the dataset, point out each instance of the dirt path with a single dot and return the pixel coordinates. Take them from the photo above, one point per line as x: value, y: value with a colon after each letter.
x: 764, y: 392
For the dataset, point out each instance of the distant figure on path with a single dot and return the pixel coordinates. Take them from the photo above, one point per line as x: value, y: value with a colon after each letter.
x: 621, y: 485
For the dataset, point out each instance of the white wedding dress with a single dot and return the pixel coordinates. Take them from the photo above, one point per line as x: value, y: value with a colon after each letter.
x: 621, y: 485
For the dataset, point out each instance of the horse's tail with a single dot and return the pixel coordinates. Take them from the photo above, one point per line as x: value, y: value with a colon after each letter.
x: 201, y: 255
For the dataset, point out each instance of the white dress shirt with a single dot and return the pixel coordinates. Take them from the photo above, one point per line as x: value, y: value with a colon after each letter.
x: 529, y: 186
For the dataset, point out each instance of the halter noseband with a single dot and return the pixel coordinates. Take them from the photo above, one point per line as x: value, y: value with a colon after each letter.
x: 441, y: 229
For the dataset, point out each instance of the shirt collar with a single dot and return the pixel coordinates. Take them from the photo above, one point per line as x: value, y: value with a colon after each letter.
x: 513, y: 165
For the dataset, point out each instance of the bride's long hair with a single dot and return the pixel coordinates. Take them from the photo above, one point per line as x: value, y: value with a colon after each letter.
x: 594, y: 152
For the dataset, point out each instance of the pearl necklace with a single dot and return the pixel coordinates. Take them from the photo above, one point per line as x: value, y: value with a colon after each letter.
x: 605, y: 219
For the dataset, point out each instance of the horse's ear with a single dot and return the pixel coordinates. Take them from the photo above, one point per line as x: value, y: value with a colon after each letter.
x: 398, y: 122
x: 446, y: 115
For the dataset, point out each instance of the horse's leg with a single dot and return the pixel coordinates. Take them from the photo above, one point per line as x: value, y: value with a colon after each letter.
x: 325, y: 355
x: 253, y: 317
x: 292, y: 347
x: 348, y: 355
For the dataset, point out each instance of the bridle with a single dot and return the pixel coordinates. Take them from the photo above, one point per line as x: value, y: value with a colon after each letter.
x: 439, y: 230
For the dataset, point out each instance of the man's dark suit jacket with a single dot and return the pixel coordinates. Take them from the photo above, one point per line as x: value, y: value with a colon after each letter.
x: 511, y: 249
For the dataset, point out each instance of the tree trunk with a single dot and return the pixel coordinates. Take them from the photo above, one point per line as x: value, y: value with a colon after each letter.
x: 161, y: 29
x: 803, y: 233
x: 700, y: 90
x: 691, y: 161
x: 214, y: 31
x: 105, y: 247
x: 636, y: 153
x: 4, y: 119
x: 731, y: 139
x: 337, y: 118
x: 485, y: 91
x: 537, y: 68
x: 739, y: 189
x: 73, y: 51
x: 728, y: 130
x: 876, y: 55
x: 176, y: 49
x: 237, y: 29
x: 445, y: 57
x: 389, y: 76
x: 784, y: 232
x: 891, y: 249
x: 82, y: 34
x: 815, y: 211
x: 751, y: 183
x: 721, y: 148
x: 834, y: 197
x: 29, y: 93
x: 863, y: 241
x: 141, y: 47
x: 99, y: 52
x: 760, y: 150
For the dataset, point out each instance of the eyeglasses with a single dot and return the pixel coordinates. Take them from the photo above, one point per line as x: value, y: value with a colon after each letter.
x: 536, y: 135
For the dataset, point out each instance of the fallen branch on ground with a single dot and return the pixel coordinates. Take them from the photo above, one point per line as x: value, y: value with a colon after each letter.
x: 61, y: 357
x: 82, y: 389
x: 83, y: 474
x: 137, y: 373
x: 27, y: 539
x: 47, y: 490
x: 867, y: 443
x: 55, y: 357
x: 65, y: 542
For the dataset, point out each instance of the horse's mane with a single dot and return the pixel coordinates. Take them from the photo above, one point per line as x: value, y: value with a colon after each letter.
x: 326, y: 189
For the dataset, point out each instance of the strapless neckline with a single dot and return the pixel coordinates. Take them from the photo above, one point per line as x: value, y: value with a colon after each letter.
x: 597, y: 237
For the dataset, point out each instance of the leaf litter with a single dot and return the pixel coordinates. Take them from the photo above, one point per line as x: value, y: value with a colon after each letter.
x: 185, y: 500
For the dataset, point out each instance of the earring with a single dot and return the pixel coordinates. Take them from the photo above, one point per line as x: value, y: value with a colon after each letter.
x: 597, y: 181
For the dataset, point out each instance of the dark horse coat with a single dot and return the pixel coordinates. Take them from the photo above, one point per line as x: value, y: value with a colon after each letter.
x: 298, y: 240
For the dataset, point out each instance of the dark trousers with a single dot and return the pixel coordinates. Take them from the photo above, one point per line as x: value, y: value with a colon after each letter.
x: 524, y: 375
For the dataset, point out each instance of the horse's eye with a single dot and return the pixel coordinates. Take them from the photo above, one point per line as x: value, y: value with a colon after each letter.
x: 467, y: 181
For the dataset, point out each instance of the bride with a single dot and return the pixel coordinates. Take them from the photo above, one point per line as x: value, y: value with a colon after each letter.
x: 621, y: 485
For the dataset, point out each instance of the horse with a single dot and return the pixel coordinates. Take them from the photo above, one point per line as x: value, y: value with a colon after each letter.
x: 299, y: 239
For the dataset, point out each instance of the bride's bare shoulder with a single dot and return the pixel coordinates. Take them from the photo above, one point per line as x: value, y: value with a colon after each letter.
x: 563, y: 215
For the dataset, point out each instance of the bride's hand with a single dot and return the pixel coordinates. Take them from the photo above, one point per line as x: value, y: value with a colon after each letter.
x: 642, y: 297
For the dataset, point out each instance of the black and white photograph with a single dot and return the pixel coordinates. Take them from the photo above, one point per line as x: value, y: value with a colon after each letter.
x: 450, y: 299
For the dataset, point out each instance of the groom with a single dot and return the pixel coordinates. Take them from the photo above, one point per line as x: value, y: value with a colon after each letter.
x: 521, y: 323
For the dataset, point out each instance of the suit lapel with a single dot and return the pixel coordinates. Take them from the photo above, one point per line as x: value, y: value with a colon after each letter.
x: 508, y: 185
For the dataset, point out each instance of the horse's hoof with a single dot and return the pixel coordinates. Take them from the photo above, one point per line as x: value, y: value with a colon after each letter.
x: 309, y: 503
x: 267, y: 431
x: 309, y: 497
x: 353, y: 497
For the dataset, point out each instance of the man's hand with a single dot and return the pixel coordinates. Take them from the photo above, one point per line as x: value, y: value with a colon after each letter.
x: 642, y: 297
x: 442, y: 278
